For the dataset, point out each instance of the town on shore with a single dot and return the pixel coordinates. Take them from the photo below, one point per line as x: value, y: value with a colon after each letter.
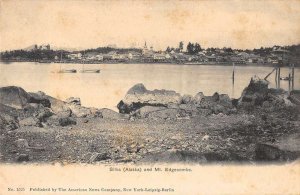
x: 191, y: 54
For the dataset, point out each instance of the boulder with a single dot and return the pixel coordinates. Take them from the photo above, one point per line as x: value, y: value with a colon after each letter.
x: 8, y: 110
x: 79, y: 111
x: 265, y: 152
x: 215, y: 97
x: 8, y: 118
x: 225, y: 100
x: 8, y: 122
x: 95, y: 112
x: 64, y: 113
x: 36, y: 110
x: 13, y: 96
x: 186, y: 99
x: 39, y: 98
x: 255, y: 93
x: 57, y: 106
x: 198, y: 98
x: 138, y: 96
x: 295, y: 97
x: 74, y: 100
x: 44, y: 114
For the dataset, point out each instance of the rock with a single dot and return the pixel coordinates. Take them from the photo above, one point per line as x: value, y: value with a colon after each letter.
x: 225, y: 100
x: 80, y: 111
x: 13, y: 96
x: 67, y: 121
x: 73, y: 100
x: 22, y: 158
x: 166, y: 114
x: 138, y: 96
x: 58, y: 106
x: 215, y: 97
x: 36, y: 110
x: 132, y: 148
x: 64, y: 113
x: 265, y: 152
x: 146, y: 110
x: 8, y: 122
x: 295, y: 97
x: 22, y: 143
x: 205, y: 138
x: 255, y: 93
x: 198, y: 98
x: 186, y: 99
x: 30, y: 121
x: 110, y: 114
x: 39, y: 98
x: 95, y: 112
x: 7, y: 110
x: 99, y: 157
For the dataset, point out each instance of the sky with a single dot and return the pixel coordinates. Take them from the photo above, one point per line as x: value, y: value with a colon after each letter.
x: 90, y: 24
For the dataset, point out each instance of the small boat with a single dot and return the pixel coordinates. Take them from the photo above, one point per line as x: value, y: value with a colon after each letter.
x: 89, y: 70
x: 284, y: 78
x: 68, y: 71
x: 65, y: 70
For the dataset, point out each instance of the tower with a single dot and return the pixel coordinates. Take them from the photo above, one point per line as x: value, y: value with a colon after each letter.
x: 145, y: 49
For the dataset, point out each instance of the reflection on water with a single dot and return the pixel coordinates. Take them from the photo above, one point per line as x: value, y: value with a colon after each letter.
x: 108, y: 87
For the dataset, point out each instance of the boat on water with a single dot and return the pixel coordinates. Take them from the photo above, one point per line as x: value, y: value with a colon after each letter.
x: 68, y: 71
x: 89, y: 70
x: 284, y: 78
x: 65, y: 70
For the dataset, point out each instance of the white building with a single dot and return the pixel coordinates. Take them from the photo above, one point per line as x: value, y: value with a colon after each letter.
x: 74, y: 56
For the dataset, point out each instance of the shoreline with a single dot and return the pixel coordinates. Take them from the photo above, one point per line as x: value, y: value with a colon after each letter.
x: 170, y: 128
x: 153, y: 63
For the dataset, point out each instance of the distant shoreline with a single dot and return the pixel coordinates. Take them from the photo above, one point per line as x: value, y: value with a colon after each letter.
x: 152, y: 63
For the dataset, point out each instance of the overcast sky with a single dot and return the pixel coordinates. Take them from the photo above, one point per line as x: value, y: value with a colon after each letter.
x: 86, y: 24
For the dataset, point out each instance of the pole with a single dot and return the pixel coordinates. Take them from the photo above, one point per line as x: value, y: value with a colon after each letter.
x: 269, y: 74
x: 278, y: 79
x: 290, y: 78
x: 293, y: 76
x: 233, y: 72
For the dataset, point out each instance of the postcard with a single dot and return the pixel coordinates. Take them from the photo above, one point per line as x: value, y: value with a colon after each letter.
x: 149, y: 97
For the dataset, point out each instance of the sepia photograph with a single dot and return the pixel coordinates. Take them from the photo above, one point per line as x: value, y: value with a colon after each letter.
x: 174, y: 94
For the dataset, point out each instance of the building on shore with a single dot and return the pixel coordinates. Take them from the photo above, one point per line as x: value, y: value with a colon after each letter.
x: 75, y: 56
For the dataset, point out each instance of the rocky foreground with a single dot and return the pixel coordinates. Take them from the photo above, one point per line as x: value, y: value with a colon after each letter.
x: 152, y: 126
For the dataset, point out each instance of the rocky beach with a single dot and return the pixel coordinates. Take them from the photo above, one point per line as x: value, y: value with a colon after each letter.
x: 158, y: 126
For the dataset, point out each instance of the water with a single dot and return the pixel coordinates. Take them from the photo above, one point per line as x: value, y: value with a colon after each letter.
x: 107, y: 88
